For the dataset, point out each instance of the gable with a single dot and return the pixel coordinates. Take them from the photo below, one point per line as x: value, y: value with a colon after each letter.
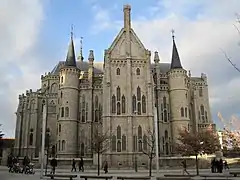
x: 117, y: 49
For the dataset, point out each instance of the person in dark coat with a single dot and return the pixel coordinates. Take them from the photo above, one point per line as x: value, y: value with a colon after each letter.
x: 184, y: 166
x: 213, y: 165
x: 80, y: 165
x: 220, y: 168
x: 105, y: 167
x: 74, y: 165
x: 54, y: 165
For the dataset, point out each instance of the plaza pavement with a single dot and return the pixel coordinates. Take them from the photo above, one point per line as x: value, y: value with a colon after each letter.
x: 5, y: 175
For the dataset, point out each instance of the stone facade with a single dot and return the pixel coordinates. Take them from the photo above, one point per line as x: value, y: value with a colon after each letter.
x: 119, y: 93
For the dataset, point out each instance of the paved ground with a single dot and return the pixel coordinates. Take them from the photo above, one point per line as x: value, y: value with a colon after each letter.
x: 4, y: 175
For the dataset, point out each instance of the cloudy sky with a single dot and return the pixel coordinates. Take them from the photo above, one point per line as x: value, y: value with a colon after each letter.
x: 34, y: 35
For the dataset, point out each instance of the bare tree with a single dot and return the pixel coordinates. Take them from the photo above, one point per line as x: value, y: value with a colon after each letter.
x: 150, y: 140
x: 100, y: 142
x: 195, y: 143
x: 225, y: 54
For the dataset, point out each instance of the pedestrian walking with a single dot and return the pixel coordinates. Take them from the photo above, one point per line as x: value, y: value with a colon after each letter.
x: 184, y: 166
x: 54, y: 165
x: 105, y: 167
x: 74, y: 166
x: 80, y: 165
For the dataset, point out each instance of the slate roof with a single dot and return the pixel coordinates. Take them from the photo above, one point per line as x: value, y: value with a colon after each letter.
x: 176, y: 63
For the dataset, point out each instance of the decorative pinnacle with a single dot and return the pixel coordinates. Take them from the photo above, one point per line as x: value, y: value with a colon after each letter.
x: 80, y: 57
x: 156, y: 57
x: 72, y: 31
x: 91, y: 56
x: 173, y: 33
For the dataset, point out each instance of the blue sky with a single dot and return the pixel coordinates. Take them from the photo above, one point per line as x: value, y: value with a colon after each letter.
x: 35, y: 34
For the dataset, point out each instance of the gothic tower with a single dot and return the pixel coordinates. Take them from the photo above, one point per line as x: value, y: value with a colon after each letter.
x: 178, y: 94
x: 68, y: 110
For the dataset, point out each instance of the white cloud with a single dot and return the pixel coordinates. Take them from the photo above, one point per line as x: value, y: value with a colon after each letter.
x: 20, y: 22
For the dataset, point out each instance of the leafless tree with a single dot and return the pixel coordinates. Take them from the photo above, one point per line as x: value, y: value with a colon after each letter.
x: 150, y: 140
x: 225, y: 54
x: 100, y: 142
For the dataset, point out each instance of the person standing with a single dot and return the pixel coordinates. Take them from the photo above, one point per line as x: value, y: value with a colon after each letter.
x: 105, y: 168
x: 73, y: 166
x: 54, y: 165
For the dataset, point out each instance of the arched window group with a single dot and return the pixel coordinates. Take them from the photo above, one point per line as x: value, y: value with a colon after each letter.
x: 64, y: 112
x: 118, y: 103
x: 184, y: 112
x: 119, y: 142
x: 140, y: 141
x: 203, y: 115
x: 139, y: 103
x: 165, y: 110
x: 83, y: 115
x: 61, y: 145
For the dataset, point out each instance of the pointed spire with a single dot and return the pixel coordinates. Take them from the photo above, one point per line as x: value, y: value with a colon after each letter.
x: 156, y: 57
x: 91, y: 56
x: 80, y: 56
x: 176, y: 63
x: 71, y: 60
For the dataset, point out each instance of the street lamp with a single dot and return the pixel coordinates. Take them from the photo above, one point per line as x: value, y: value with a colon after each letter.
x: 135, y: 155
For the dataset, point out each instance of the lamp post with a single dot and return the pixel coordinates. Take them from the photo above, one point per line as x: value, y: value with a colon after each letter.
x: 135, y: 155
x: 156, y: 139
x: 43, y: 138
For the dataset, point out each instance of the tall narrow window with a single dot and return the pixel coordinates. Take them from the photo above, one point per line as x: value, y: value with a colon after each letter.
x: 119, y: 146
x: 118, y: 132
x: 186, y: 112
x: 59, y: 128
x: 61, y: 94
x: 96, y: 116
x: 62, y: 79
x: 202, y: 109
x: 124, y: 143
x: 139, y: 108
x: 165, y: 115
x: 139, y: 132
x: 138, y: 71
x: 123, y: 104
x: 83, y: 115
x: 118, y: 93
x: 59, y: 145
x: 86, y: 116
x: 114, y: 141
x: 200, y: 92
x: 113, y: 104
x: 96, y: 101
x: 182, y: 112
x: 118, y: 71
x: 206, y: 116
x: 144, y: 109
x: 31, y: 139
x: 164, y: 102
x: 199, y: 116
x: 134, y: 103
x: 82, y: 149
x: 145, y: 143
x: 118, y: 108
x: 63, y: 145
x: 134, y: 143
x: 140, y: 145
x: 138, y: 93
x: 166, y: 135
x: 83, y: 101
x: 62, y: 112
x: 67, y: 111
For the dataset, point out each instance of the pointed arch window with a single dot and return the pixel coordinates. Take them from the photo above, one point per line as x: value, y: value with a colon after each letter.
x: 138, y: 93
x: 82, y: 149
x: 145, y: 143
x: 134, y: 103
x: 114, y: 143
x: 118, y: 108
x: 138, y: 71
x: 113, y: 104
x: 63, y: 145
x: 119, y: 146
x: 118, y: 132
x: 182, y: 112
x: 118, y: 71
x: 124, y: 143
x: 139, y: 108
x: 206, y: 116
x: 123, y: 104
x: 186, y: 112
x: 144, y: 109
x: 62, y: 112
x: 118, y: 93
x: 31, y: 139
x: 96, y: 101
x: 66, y: 111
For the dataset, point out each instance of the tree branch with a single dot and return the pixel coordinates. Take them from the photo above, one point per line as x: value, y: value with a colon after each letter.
x: 230, y: 61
